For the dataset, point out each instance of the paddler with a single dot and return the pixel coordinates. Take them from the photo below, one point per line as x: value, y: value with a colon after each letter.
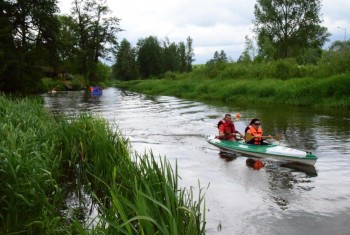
x: 227, y: 130
x: 254, y: 129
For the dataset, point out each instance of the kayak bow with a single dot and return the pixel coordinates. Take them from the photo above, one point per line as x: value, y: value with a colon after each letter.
x: 272, y: 151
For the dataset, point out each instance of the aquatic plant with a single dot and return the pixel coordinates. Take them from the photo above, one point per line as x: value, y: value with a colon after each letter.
x: 44, y: 159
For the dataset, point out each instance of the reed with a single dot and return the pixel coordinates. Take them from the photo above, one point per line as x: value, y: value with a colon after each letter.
x: 44, y: 159
x: 156, y: 204
x: 28, y: 168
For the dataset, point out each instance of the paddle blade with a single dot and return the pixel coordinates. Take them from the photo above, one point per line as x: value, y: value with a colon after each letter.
x: 248, y: 137
x: 278, y: 137
x: 238, y: 116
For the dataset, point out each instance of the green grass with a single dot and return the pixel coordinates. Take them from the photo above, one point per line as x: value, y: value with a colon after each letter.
x: 331, y: 91
x: 44, y: 158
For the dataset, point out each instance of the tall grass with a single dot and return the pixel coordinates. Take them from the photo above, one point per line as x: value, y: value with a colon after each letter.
x: 29, y: 167
x: 229, y: 86
x: 43, y: 159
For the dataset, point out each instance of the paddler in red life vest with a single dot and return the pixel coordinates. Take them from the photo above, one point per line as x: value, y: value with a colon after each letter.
x: 255, y: 130
x: 227, y: 130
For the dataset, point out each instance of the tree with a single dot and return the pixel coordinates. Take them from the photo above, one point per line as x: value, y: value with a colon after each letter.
x: 249, y: 52
x: 170, y: 56
x: 125, y: 67
x: 67, y: 44
x: 96, y: 34
x: 337, y: 58
x: 189, y: 54
x: 149, y: 57
x: 290, y: 27
x: 28, y: 35
x: 182, y: 57
x: 223, y: 57
x: 219, y: 58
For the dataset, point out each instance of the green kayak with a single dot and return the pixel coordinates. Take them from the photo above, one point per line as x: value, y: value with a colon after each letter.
x: 271, y: 151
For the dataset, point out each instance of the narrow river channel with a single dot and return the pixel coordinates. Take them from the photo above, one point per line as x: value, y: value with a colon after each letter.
x: 274, y: 200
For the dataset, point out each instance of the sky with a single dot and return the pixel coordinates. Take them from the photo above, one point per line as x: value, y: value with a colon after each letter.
x: 214, y: 25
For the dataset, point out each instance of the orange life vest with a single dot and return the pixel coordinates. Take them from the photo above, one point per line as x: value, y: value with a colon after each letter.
x: 229, y: 129
x: 256, y: 133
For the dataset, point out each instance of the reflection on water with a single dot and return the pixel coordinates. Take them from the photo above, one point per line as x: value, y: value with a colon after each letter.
x: 308, y: 169
x: 227, y: 156
x: 277, y: 199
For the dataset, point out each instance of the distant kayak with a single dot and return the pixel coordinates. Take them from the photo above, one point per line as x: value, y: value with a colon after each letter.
x: 95, y: 90
x: 271, y: 151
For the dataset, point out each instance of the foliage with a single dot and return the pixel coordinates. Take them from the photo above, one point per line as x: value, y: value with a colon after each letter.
x: 29, y: 166
x: 44, y: 160
x: 279, y: 82
x: 189, y: 55
x: 94, y: 33
x: 288, y: 28
x: 218, y: 58
x: 125, y: 67
x: 336, y: 59
x: 103, y: 72
x: 49, y: 83
x: 27, y: 42
x: 152, y: 58
x: 149, y: 57
x: 249, y: 51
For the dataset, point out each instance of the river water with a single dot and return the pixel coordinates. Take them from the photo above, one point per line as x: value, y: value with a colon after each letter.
x: 277, y: 199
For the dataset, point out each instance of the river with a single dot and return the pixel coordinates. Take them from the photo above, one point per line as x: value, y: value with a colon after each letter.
x: 239, y: 200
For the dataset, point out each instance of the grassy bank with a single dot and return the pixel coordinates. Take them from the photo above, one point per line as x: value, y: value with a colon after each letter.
x: 231, y: 84
x: 49, y: 162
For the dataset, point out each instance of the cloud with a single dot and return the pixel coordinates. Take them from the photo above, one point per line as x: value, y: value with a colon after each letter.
x: 213, y: 25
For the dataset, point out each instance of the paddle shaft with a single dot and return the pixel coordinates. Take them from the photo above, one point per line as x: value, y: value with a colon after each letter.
x: 249, y: 137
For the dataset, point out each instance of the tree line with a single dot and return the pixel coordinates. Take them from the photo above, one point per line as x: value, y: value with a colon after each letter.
x: 37, y: 41
x: 150, y: 58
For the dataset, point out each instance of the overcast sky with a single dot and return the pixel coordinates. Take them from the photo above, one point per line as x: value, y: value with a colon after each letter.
x: 214, y: 25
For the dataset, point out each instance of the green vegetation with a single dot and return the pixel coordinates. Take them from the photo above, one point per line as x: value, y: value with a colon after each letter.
x: 150, y: 58
x: 280, y: 82
x: 36, y: 42
x: 289, y: 29
x: 47, y: 162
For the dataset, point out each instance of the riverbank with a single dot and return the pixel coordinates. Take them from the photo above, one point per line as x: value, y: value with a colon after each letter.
x: 333, y: 91
x: 58, y: 174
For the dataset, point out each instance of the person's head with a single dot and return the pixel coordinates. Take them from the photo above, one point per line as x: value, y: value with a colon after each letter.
x: 255, y: 122
x: 228, y: 117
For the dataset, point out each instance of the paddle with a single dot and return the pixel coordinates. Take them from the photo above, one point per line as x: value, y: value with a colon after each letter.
x: 249, y: 137
x: 238, y: 116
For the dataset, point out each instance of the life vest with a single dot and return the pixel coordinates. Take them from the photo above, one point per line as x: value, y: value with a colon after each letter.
x: 229, y: 128
x: 256, y: 133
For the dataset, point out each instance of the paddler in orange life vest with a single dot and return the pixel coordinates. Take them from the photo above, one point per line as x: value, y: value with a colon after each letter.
x: 254, y: 129
x: 227, y: 130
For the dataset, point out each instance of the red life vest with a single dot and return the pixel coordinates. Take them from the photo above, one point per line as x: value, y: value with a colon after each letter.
x: 256, y: 133
x: 229, y: 129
